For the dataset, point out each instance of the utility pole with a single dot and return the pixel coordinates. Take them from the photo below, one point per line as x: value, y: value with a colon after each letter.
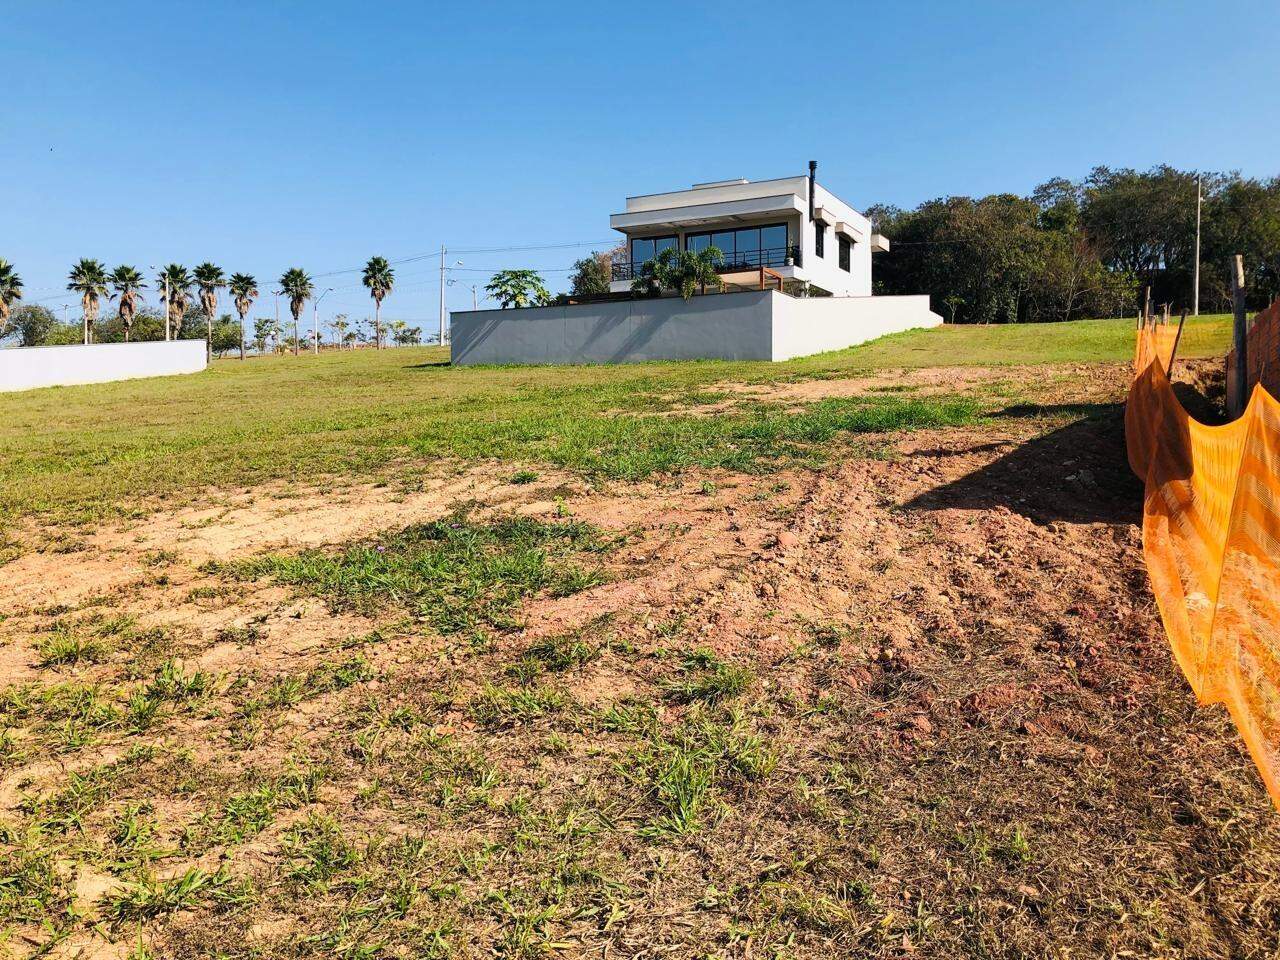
x: 315, y: 322
x: 442, y: 294
x: 1240, y: 332
x: 1195, y: 296
x: 276, y: 331
x: 475, y: 303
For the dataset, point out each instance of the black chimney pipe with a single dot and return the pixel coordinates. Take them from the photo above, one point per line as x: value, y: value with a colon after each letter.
x: 813, y: 173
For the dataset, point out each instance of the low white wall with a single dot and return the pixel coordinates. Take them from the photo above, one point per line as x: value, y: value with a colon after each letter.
x: 25, y: 368
x: 816, y: 324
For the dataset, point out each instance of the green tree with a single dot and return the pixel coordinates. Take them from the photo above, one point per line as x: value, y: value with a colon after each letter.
x: 89, y: 279
x: 209, y: 280
x: 10, y: 293
x: 174, y: 285
x: 684, y: 271
x: 407, y: 336
x: 127, y: 283
x: 297, y: 285
x: 32, y: 323
x: 244, y: 290
x: 340, y: 325
x: 265, y: 331
x: 591, y: 275
x: 379, y: 278
x: 518, y: 288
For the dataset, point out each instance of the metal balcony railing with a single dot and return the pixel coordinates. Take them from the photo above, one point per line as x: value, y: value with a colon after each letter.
x: 742, y: 260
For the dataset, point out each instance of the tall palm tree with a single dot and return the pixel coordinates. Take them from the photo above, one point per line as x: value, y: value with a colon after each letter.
x: 89, y: 279
x: 209, y: 279
x: 10, y: 293
x: 127, y: 282
x: 297, y: 286
x: 244, y: 290
x: 379, y: 278
x: 175, y: 282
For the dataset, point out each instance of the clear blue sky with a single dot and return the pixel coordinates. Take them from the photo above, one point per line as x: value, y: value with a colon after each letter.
x: 268, y: 135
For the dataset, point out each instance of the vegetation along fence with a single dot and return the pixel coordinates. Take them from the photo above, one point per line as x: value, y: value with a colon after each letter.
x: 1211, y: 541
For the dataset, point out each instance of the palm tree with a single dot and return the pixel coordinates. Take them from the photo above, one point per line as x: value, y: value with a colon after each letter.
x: 681, y: 270
x: 127, y: 282
x: 209, y: 278
x: 10, y: 292
x: 297, y: 286
x: 397, y: 329
x: 175, y: 283
x: 379, y: 278
x: 244, y: 290
x: 89, y: 279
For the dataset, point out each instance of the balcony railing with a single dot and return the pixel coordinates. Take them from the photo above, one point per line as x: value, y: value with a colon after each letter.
x: 743, y: 260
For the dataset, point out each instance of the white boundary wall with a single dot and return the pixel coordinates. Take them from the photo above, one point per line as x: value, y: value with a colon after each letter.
x: 25, y: 368
x: 816, y: 324
x: 755, y: 325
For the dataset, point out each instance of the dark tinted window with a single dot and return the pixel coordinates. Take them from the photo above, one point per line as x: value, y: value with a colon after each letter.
x: 698, y: 242
x: 819, y: 238
x: 773, y: 238
x: 646, y: 248
x: 844, y: 253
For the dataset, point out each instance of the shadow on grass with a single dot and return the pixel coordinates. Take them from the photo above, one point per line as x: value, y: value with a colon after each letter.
x: 427, y: 365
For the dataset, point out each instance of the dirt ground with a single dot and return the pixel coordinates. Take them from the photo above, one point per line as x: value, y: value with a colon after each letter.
x: 975, y: 740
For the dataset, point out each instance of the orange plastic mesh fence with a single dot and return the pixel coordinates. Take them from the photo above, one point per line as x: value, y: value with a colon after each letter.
x: 1211, y: 540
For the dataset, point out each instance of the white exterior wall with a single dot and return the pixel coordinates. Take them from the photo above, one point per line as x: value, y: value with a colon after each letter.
x: 826, y: 272
x: 817, y: 324
x: 25, y: 368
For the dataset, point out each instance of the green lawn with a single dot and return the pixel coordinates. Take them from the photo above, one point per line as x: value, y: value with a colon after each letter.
x: 84, y: 452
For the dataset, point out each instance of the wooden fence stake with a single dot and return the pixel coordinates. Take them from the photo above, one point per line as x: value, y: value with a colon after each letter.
x: 1240, y: 332
x: 1176, y: 337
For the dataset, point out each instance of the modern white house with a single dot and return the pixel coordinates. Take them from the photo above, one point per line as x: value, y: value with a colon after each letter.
x: 795, y: 265
x: 794, y: 227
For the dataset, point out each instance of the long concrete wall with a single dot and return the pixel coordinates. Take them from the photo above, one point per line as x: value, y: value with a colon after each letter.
x: 756, y: 325
x: 25, y: 368
x: 735, y: 326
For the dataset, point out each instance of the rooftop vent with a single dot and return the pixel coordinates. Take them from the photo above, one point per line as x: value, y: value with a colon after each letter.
x: 719, y: 183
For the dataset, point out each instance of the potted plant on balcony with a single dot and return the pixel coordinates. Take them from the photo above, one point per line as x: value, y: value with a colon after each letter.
x: 681, y: 270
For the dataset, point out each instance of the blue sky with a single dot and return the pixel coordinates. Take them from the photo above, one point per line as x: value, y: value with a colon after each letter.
x: 264, y: 136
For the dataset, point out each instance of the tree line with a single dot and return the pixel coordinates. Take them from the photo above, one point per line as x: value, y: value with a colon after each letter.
x: 186, y: 297
x: 1087, y: 248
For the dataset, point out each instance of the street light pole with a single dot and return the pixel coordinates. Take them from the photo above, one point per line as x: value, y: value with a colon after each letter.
x: 442, y: 294
x: 276, y: 331
x: 315, y: 322
x: 1195, y: 296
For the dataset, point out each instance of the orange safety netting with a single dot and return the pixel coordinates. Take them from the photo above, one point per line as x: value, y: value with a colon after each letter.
x: 1211, y: 540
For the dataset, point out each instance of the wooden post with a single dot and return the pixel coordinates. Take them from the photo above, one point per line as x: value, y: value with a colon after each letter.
x: 1176, y: 337
x: 1240, y: 332
x: 1146, y: 305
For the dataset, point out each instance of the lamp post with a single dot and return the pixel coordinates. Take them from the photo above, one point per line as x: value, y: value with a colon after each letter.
x: 315, y: 321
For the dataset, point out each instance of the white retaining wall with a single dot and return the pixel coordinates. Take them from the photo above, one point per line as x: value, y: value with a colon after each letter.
x: 816, y: 324
x: 25, y: 368
x: 754, y: 325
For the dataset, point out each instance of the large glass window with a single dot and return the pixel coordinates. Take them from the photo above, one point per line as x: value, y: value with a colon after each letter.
x: 747, y: 246
x: 844, y: 252
x: 819, y: 238
x: 644, y: 249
